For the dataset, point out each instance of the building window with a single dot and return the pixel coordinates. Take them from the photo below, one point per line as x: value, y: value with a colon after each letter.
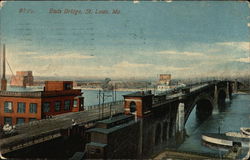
x: 67, y: 105
x: 32, y: 119
x: 75, y: 103
x: 8, y: 120
x: 20, y: 120
x: 67, y: 86
x: 46, y: 107
x: 21, y: 107
x: 82, y: 103
x: 8, y: 107
x: 33, y: 107
x: 132, y: 107
x: 57, y: 106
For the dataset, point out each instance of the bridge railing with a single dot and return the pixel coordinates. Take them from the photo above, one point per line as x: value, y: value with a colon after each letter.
x: 200, y: 83
x: 160, y: 98
x: 105, y: 105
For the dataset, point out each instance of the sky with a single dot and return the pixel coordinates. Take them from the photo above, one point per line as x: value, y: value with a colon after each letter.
x: 139, y: 40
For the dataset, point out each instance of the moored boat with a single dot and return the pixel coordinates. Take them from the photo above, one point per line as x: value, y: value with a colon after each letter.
x: 228, y: 139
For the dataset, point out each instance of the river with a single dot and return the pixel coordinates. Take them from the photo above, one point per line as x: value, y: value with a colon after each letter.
x: 235, y: 114
x: 91, y: 97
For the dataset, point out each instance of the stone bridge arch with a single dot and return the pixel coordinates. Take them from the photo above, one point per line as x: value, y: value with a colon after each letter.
x: 204, y: 104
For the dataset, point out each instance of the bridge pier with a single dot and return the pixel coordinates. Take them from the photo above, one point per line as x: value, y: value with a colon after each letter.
x: 179, y: 130
x: 235, y: 86
x: 216, y: 108
x: 228, y: 92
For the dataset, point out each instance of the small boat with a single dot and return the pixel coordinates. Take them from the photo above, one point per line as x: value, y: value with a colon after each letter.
x: 245, y: 131
x: 228, y: 139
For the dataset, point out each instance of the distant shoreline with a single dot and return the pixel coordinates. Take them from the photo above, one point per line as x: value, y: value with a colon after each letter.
x: 118, y: 89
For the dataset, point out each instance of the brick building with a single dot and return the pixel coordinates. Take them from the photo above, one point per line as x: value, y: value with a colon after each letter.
x: 115, y: 138
x: 57, y: 97
x: 165, y: 79
x: 164, y: 82
x: 22, y: 79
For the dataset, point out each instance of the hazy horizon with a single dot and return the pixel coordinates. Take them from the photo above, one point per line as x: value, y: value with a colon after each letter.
x: 156, y: 78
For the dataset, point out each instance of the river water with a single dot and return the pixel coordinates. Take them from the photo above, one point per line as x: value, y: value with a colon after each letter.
x: 91, y: 97
x: 235, y: 114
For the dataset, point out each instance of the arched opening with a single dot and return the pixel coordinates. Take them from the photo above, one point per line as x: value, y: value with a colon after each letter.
x: 158, y: 134
x: 204, y: 109
x: 132, y: 107
x: 164, y: 131
x: 200, y: 110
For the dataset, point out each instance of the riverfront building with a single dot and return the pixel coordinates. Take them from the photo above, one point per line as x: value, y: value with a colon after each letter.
x: 22, y: 79
x: 164, y: 82
x: 58, y: 97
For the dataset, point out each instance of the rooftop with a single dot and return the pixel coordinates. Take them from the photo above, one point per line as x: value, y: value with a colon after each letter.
x: 96, y: 144
x: 116, y: 118
x: 113, y: 129
x: 39, y: 94
x: 53, y: 88
x: 114, y: 121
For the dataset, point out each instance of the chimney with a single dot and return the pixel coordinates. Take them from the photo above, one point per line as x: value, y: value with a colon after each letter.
x: 3, y: 80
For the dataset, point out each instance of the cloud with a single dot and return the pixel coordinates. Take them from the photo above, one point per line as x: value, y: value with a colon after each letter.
x: 27, y: 53
x: 168, y: 1
x: 248, y: 24
x: 2, y: 4
x: 163, y: 68
x: 65, y: 56
x: 125, y: 64
x: 244, y: 60
x: 136, y: 1
x: 172, y: 52
x: 245, y: 46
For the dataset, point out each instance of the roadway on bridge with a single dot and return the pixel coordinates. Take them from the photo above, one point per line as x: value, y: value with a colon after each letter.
x: 29, y: 132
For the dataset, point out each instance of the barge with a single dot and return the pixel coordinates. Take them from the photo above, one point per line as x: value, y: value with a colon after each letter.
x: 228, y: 139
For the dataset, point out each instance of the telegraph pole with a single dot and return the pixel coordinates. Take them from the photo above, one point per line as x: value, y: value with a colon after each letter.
x: 102, y: 103
x: 115, y: 91
x: 99, y: 96
x: 113, y: 94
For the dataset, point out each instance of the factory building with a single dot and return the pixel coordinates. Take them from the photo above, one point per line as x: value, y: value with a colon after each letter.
x: 22, y: 79
x: 58, y: 97
x: 164, y: 82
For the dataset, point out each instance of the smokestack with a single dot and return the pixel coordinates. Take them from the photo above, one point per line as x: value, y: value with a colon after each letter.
x: 3, y: 61
x: 3, y: 81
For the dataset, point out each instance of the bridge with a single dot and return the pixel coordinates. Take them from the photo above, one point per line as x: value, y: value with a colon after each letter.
x: 164, y: 116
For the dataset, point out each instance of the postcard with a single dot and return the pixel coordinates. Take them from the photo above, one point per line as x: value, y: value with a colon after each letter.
x: 124, y: 79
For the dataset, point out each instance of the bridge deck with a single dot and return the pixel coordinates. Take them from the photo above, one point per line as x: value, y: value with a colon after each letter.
x: 42, y: 130
x: 176, y: 96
